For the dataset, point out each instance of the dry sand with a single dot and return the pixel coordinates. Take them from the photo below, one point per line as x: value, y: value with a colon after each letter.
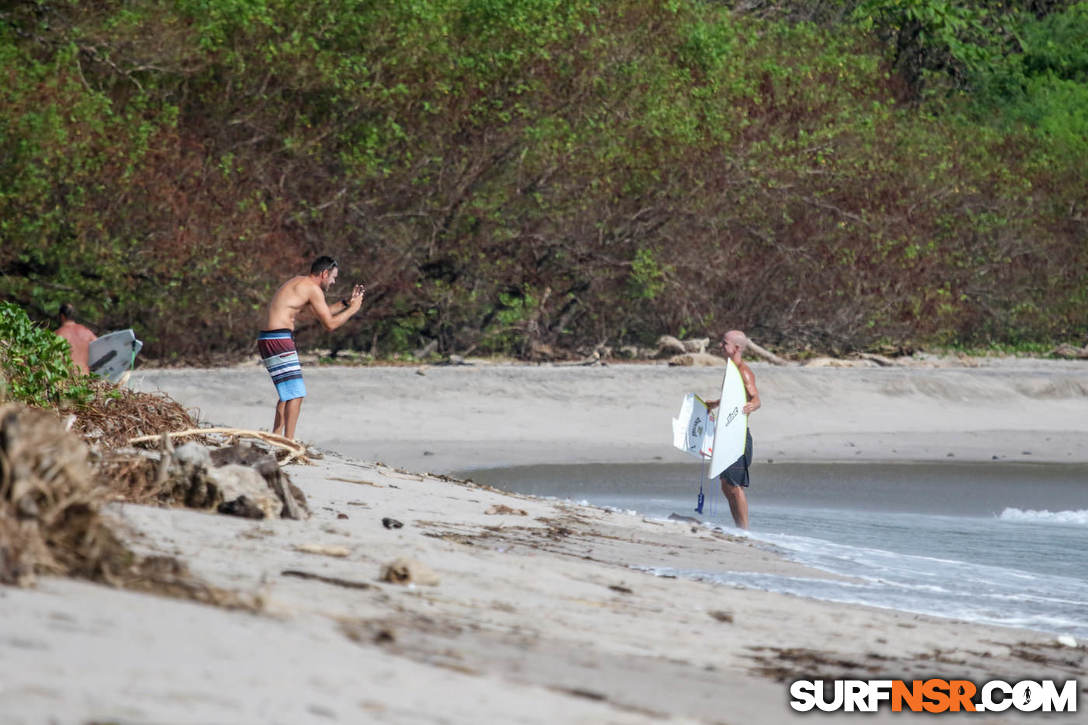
x: 541, y: 612
x: 453, y: 418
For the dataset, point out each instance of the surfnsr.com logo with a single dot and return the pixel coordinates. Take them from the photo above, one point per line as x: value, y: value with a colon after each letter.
x: 933, y: 695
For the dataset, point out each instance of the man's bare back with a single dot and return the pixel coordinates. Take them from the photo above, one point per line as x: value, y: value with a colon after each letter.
x: 79, y: 338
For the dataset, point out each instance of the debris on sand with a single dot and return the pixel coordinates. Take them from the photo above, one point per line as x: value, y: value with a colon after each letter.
x: 50, y: 499
x: 119, y: 414
x: 56, y: 475
x: 292, y: 450
x: 336, y: 581
x: 409, y: 571
x: 235, y: 479
x: 47, y: 499
x: 239, y: 480
x: 500, y: 509
x: 338, y: 552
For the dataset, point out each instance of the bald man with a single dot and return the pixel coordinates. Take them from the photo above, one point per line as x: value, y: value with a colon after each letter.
x: 734, y: 479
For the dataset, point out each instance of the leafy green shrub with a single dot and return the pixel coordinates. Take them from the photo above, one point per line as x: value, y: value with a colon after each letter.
x: 932, y: 42
x: 1045, y: 85
x: 37, y: 363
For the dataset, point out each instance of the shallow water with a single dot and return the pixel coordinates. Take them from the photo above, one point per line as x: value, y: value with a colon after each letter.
x: 1001, y: 543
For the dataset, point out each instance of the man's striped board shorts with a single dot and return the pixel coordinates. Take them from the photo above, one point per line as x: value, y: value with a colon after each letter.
x: 277, y: 349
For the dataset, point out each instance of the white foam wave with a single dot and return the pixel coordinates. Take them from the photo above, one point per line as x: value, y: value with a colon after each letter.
x: 884, y: 595
x: 1045, y: 517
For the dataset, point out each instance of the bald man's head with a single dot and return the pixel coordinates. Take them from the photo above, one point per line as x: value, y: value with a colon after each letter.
x: 733, y: 343
x: 736, y: 337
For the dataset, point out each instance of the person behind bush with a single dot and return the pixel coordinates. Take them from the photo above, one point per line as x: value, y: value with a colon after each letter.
x: 78, y: 336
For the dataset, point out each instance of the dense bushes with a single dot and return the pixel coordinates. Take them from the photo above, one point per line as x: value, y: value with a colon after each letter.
x: 36, y: 364
x: 507, y: 172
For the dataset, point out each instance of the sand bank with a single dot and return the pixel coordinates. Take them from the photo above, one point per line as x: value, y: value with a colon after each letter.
x: 542, y: 611
x: 455, y: 418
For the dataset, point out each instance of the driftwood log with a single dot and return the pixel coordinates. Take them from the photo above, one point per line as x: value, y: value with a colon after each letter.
x: 767, y: 354
x: 1070, y: 352
x: 295, y: 449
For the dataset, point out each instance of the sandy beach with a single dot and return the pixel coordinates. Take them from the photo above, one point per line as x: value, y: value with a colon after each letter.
x: 444, y: 419
x: 526, y: 610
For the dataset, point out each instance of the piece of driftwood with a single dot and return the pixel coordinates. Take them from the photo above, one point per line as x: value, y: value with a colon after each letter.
x: 697, y: 360
x: 295, y: 449
x: 881, y: 360
x: 335, y: 580
x: 1070, y: 352
x: 593, y: 359
x: 767, y: 354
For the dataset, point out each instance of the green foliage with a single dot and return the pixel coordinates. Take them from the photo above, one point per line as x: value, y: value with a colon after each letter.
x: 647, y: 275
x: 503, y: 173
x: 37, y: 364
x: 933, y: 43
x: 1057, y: 44
x: 1045, y: 85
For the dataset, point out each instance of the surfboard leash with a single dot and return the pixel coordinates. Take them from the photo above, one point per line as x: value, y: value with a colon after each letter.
x: 702, y: 497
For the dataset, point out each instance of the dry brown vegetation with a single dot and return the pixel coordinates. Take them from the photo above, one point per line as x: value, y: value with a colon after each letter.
x: 50, y: 516
x: 117, y: 415
x: 59, y: 469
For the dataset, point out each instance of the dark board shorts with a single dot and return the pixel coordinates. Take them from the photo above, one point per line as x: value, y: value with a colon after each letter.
x: 737, y: 473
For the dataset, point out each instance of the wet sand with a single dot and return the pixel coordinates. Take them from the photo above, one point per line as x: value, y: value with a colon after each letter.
x: 948, y: 488
x: 542, y: 612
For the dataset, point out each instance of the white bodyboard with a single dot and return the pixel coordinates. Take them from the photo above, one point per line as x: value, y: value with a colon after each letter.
x: 693, y: 429
x: 111, y: 355
x: 731, y: 427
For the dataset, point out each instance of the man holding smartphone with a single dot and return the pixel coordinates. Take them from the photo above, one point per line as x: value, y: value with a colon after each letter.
x: 276, y: 342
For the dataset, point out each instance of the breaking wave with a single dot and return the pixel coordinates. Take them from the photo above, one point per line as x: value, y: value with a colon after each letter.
x: 1045, y: 517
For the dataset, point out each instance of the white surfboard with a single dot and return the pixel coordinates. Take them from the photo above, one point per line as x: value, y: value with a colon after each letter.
x: 731, y: 426
x: 111, y: 355
x: 693, y: 429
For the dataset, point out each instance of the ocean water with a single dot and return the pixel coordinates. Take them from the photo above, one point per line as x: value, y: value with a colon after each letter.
x: 999, y: 543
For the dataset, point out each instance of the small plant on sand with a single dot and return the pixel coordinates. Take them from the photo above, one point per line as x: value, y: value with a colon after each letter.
x: 37, y: 364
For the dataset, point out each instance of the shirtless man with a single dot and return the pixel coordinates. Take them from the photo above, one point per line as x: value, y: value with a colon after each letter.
x: 735, y: 478
x: 276, y: 343
x: 79, y: 337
